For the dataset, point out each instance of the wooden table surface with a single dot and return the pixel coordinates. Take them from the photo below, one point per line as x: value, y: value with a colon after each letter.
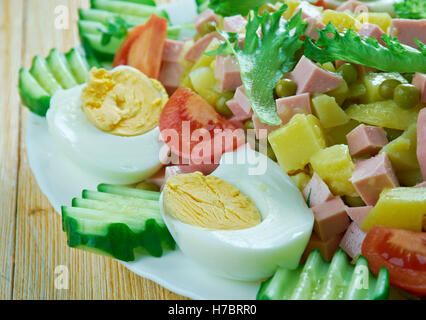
x: 32, y: 244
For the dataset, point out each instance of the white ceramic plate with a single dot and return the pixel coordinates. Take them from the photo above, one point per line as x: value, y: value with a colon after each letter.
x: 60, y: 180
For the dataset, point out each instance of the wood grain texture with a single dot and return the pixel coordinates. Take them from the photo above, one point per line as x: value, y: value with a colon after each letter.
x: 32, y: 243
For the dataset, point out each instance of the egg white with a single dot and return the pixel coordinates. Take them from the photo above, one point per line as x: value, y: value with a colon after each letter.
x: 115, y: 159
x: 253, y: 253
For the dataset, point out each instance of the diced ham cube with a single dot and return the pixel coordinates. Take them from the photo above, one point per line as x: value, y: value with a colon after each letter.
x: 312, y: 78
x: 421, y: 141
x: 196, y: 51
x: 351, y: 5
x: 259, y: 126
x: 287, y: 107
x: 234, y: 24
x: 358, y: 214
x: 313, y: 24
x: 317, y: 191
x: 373, y: 175
x: 236, y: 122
x: 419, y: 80
x: 170, y: 76
x: 371, y: 30
x: 366, y: 140
x: 206, y: 16
x: 228, y: 73
x: 240, y: 105
x: 172, y: 50
x: 204, y: 168
x: 406, y: 30
x: 327, y: 247
x: 308, y: 10
x: 421, y: 185
x: 330, y: 218
x: 352, y: 241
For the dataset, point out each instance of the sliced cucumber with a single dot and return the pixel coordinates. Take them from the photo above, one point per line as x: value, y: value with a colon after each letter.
x: 321, y: 280
x: 90, y: 27
x: 59, y: 67
x: 130, y: 8
x: 32, y: 94
x: 115, y: 225
x: 146, y: 2
x: 129, y: 192
x: 45, y: 78
x: 100, y: 51
x: 105, y: 16
x: 78, y: 65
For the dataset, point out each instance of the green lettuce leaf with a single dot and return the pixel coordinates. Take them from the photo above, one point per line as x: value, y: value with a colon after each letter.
x: 411, y: 9
x: 394, y: 57
x: 264, y: 60
x: 228, y: 8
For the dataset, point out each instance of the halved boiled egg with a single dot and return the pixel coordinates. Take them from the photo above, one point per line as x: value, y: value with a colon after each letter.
x: 239, y: 226
x: 109, y: 125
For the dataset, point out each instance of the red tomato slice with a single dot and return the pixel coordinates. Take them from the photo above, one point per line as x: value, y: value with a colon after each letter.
x: 194, y: 131
x: 402, y: 252
x: 143, y: 47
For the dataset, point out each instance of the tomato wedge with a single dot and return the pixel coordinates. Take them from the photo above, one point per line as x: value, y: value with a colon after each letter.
x: 143, y: 47
x: 402, y: 252
x: 194, y: 131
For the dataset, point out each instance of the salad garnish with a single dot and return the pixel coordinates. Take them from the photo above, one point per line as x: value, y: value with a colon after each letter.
x: 116, y: 27
x: 349, y: 46
x: 264, y: 60
x: 411, y: 9
x: 230, y: 7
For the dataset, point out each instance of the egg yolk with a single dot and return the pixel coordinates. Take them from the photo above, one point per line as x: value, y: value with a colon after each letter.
x: 123, y: 102
x: 209, y: 202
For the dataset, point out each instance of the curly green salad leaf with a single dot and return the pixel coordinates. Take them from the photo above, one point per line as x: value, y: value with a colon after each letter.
x: 265, y: 59
x: 411, y: 9
x: 116, y: 27
x: 228, y: 8
x: 394, y: 57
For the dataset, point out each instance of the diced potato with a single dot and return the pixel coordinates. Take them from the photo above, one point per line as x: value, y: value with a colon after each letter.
x: 384, y: 114
x: 292, y: 5
x: 409, y: 178
x: 296, y: 142
x: 398, y: 208
x: 340, y: 93
x: 372, y: 82
x: 337, y: 135
x: 382, y: 19
x: 341, y: 20
x: 356, y: 90
x: 328, y: 111
x: 204, y: 83
x: 402, y: 150
x: 334, y: 165
x: 301, y: 179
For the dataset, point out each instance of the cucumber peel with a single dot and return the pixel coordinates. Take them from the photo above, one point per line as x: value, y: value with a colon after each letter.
x: 321, y: 280
x: 116, y: 220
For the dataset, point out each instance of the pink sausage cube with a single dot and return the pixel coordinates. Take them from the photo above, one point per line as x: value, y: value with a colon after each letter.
x: 419, y: 80
x: 352, y: 241
x: 195, y: 52
x: 172, y: 50
x: 228, y: 73
x: 240, y: 105
x: 421, y: 141
x: 206, y: 16
x: 313, y: 24
x: 330, y: 218
x: 351, y: 5
x: 421, y: 185
x: 371, y: 30
x: 327, y: 247
x: 170, y: 76
x: 317, y: 191
x: 366, y: 140
x: 234, y: 24
x: 287, y: 107
x: 204, y: 168
x: 308, y: 10
x: 373, y: 175
x: 312, y: 78
x: 262, y: 129
x: 406, y: 30
x: 358, y: 214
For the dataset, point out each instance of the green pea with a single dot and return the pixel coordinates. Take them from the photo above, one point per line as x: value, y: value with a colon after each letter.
x: 285, y: 88
x: 406, y: 96
x: 222, y: 108
x: 208, y: 27
x: 348, y: 72
x: 248, y: 124
x: 387, y: 88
